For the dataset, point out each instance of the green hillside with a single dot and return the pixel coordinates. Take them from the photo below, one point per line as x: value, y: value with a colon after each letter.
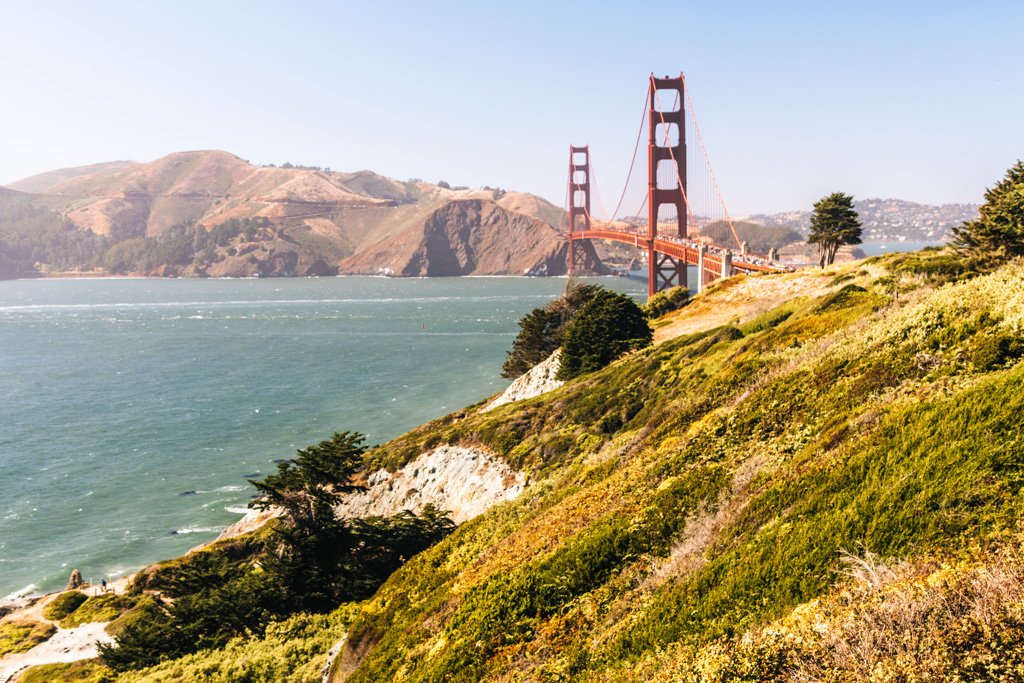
x: 828, y: 488
x: 705, y: 488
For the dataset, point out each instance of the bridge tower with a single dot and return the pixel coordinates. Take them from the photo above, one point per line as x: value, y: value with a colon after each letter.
x: 579, y: 208
x: 666, y: 271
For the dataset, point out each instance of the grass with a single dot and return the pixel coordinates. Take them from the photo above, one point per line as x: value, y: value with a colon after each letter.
x: 867, y: 417
x: 22, y: 636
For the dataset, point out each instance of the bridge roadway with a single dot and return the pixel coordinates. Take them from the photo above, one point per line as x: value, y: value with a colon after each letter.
x: 684, y: 249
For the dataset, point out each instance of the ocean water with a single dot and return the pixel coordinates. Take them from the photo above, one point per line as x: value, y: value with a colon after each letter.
x: 892, y: 246
x: 133, y: 411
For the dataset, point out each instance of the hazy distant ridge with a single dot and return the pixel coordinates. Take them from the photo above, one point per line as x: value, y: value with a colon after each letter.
x: 45, y: 182
x: 889, y: 219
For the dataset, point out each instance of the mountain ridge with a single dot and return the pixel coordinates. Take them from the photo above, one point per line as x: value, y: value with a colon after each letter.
x: 155, y: 218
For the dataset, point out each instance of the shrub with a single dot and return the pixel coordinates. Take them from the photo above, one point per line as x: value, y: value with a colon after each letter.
x: 992, y: 351
x: 84, y: 671
x: 106, y: 607
x: 290, y: 651
x: 142, y: 610
x: 64, y: 604
x: 606, y: 327
x: 541, y: 330
x: 23, y: 636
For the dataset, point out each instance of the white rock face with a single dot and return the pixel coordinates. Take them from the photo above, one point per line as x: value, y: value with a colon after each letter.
x: 539, y: 380
x: 252, y: 520
x: 465, y: 481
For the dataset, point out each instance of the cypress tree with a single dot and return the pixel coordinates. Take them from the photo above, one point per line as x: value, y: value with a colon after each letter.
x: 998, y: 232
x: 833, y: 224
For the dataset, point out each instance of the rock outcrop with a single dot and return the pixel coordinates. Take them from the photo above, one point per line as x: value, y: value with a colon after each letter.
x: 539, y: 380
x: 466, y: 237
x: 75, y: 581
x: 463, y: 481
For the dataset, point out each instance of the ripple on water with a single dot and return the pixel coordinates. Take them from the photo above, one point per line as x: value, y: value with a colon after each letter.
x: 139, y: 404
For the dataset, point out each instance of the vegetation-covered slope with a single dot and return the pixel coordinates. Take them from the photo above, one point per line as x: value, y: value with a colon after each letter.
x: 699, y: 490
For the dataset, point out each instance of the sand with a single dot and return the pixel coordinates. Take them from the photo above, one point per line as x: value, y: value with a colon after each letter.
x: 66, y: 645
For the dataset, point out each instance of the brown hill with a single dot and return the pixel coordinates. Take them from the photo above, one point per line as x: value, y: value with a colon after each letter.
x: 466, y: 236
x: 45, y: 182
x: 211, y: 213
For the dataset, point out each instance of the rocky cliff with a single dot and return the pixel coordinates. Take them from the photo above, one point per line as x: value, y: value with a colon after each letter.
x: 466, y: 237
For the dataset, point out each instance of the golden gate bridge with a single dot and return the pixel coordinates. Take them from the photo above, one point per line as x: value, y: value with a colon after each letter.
x: 673, y: 205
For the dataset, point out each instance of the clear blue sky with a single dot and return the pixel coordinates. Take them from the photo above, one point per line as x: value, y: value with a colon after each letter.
x: 916, y: 100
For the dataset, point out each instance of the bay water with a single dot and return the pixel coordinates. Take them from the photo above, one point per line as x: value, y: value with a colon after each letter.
x: 132, y: 411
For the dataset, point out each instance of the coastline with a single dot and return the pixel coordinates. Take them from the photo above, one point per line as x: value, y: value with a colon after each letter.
x: 107, y: 276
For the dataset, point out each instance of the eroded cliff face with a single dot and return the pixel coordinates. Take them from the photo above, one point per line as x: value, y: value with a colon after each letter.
x: 464, y: 481
x: 540, y: 379
x: 467, y: 237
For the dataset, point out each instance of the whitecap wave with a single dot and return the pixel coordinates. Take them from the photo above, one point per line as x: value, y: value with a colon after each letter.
x: 151, y: 305
x: 27, y: 590
x: 236, y: 510
x: 197, y: 530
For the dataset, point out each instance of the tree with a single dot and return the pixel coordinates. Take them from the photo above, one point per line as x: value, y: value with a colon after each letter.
x: 308, y: 560
x: 833, y: 224
x: 998, y: 232
x: 541, y: 330
x: 308, y: 487
x: 607, y: 326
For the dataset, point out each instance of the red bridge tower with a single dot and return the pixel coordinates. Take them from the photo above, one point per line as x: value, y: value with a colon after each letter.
x: 579, y: 208
x: 665, y: 271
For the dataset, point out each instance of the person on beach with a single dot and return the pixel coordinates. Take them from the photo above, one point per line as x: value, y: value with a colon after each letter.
x: 103, y: 585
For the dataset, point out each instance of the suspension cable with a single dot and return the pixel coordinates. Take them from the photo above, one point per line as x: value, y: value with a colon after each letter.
x: 711, y: 171
x: 593, y: 185
x: 632, y: 162
x: 568, y: 189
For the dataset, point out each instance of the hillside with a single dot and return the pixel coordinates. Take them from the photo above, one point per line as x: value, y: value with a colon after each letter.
x: 811, y: 476
x: 210, y: 213
x: 45, y: 182
x: 701, y: 491
x: 888, y: 219
x: 760, y: 238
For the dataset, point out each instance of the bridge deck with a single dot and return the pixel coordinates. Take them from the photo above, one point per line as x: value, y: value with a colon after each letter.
x: 683, y: 249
